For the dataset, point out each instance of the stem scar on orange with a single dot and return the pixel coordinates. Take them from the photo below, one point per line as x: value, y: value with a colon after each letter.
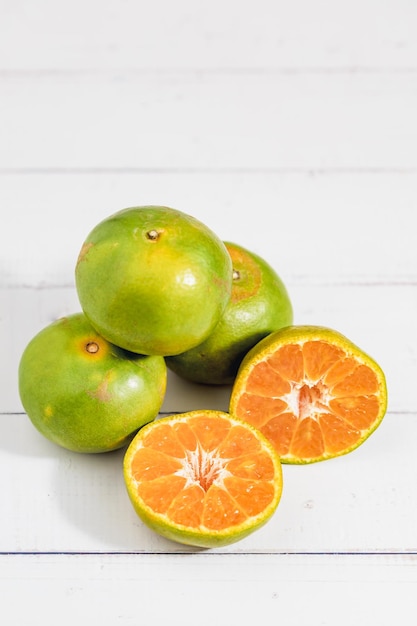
x: 312, y: 392
x: 202, y: 478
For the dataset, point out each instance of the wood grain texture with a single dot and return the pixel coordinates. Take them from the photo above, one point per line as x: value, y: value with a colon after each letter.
x: 220, y: 35
x: 115, y: 588
x: 209, y: 121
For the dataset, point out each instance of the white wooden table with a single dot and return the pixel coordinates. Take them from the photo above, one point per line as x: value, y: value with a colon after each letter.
x: 287, y: 127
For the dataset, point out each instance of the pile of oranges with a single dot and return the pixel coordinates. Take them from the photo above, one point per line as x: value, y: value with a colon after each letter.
x: 158, y: 289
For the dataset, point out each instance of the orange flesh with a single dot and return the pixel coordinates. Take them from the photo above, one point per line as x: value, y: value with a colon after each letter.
x: 205, y: 473
x: 311, y: 400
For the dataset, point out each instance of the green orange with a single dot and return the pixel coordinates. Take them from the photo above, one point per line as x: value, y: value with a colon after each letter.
x: 202, y: 478
x: 259, y: 305
x: 153, y: 280
x: 311, y: 391
x: 84, y: 393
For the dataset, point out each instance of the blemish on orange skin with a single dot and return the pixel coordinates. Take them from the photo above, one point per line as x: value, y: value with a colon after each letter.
x: 83, y: 252
x: 102, y: 393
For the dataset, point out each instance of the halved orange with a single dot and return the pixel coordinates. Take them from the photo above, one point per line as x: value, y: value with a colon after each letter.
x: 202, y: 478
x: 312, y: 392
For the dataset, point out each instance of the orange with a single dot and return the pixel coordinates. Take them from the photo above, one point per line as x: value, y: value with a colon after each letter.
x: 84, y: 393
x: 202, y: 478
x: 153, y: 280
x: 259, y: 305
x: 312, y: 392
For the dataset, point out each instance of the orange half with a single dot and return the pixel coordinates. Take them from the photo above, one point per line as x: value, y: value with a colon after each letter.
x: 202, y: 478
x: 311, y: 391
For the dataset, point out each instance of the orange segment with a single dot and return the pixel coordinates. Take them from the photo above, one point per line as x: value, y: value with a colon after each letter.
x: 261, y: 378
x: 258, y: 409
x: 252, y: 496
x: 338, y: 435
x: 165, y: 441
x: 252, y: 466
x: 221, y: 511
x: 240, y: 441
x: 311, y: 391
x: 150, y: 464
x: 210, y: 431
x: 203, y: 477
x: 158, y: 494
x: 307, y: 441
x: 359, y: 411
x: 339, y: 371
x: 319, y: 356
x: 360, y: 382
x: 187, y: 507
x: 185, y: 435
x: 288, y: 362
x: 280, y: 430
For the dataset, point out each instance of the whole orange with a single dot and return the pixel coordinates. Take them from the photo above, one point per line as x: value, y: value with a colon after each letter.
x: 259, y: 305
x: 153, y: 280
x: 84, y: 393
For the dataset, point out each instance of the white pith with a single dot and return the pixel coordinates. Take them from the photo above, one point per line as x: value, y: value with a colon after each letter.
x: 203, y: 468
x: 308, y: 399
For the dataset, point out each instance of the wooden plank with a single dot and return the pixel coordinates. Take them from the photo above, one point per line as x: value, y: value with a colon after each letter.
x: 314, y: 229
x: 363, y: 314
x: 209, y: 121
x: 222, y: 34
x: 122, y: 589
x: 359, y: 503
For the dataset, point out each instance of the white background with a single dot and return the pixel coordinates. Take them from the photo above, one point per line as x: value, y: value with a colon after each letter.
x: 287, y: 127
